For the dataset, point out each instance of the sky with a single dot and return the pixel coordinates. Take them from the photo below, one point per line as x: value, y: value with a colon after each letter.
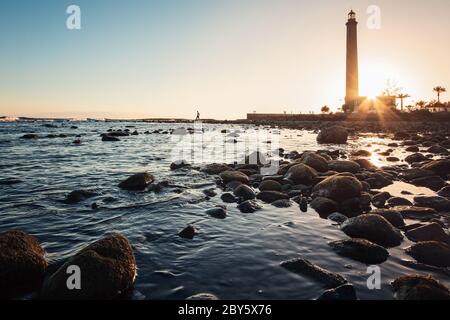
x: 224, y: 58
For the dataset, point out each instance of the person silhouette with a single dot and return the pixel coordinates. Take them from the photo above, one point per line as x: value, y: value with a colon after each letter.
x: 198, y: 116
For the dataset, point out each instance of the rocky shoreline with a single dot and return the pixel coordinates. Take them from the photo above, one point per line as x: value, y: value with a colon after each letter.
x: 344, y: 188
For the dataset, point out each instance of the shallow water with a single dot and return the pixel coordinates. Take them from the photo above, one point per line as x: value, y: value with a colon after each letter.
x: 235, y: 258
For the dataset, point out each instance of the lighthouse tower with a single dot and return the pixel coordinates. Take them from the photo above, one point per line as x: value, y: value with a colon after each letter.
x: 352, y: 88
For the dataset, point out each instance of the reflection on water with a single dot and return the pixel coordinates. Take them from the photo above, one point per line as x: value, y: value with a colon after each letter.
x: 234, y: 258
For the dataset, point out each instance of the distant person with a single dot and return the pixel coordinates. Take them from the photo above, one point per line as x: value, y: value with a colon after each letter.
x: 198, y: 116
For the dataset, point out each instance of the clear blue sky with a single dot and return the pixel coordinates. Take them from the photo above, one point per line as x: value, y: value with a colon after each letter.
x: 224, y: 58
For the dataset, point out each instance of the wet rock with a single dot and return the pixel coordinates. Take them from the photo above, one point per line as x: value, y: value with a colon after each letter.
x: 444, y: 192
x: 337, y: 217
x: 217, y: 212
x: 435, y: 183
x: 215, y: 168
x: 304, y: 267
x: 137, y: 182
x: 360, y: 250
x: 282, y: 203
x: 345, y: 292
x: 188, y: 233
x: 418, y: 287
x: 210, y: 193
x: 416, y: 212
x: 244, y: 192
x: 397, y: 201
x: 22, y: 264
x: 79, y: 195
x: 179, y: 164
x: 362, y: 153
x: 324, y: 206
x: 232, y: 185
x: 271, y: 196
x: 378, y: 181
x: 431, y: 252
x: 228, y: 197
x: 365, y: 164
x: 109, y: 138
x: 415, y: 157
x: 315, y: 161
x: 301, y: 174
x: 30, y: 136
x: 429, y: 232
x: 439, y: 167
x: 435, y: 202
x: 412, y: 149
x: 391, y: 215
x: 269, y: 185
x: 202, y: 297
x: 415, y: 173
x: 392, y: 159
x: 374, y: 228
x: 338, y: 188
x: 351, y: 207
x: 249, y: 206
x: 379, y: 200
x: 9, y: 181
x: 303, y: 203
x: 344, y: 166
x: 228, y: 176
x: 437, y: 149
x: 108, y: 270
x: 334, y: 134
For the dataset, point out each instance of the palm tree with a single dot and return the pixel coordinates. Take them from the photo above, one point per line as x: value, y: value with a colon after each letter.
x: 402, y: 96
x: 439, y: 90
x: 421, y: 104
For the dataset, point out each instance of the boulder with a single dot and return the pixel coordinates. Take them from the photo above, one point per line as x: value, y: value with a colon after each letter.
x: 22, y: 264
x: 415, y: 157
x: 444, y: 192
x: 228, y: 197
x: 79, y: 195
x: 137, y: 182
x: 301, y: 174
x: 271, y: 196
x: 304, y: 267
x: 324, y: 206
x: 337, y: 217
x: 244, y: 192
x: 431, y: 252
x: 365, y: 163
x: 315, y: 161
x: 338, y: 188
x: 418, y: 287
x: 391, y: 215
x: 249, y: 206
x: 435, y: 183
x: 346, y: 292
x: 435, y: 202
x: 188, y: 233
x: 379, y: 200
x: 108, y: 270
x: 217, y: 212
x: 439, y: 167
x: 334, y: 134
x: 415, y: 173
x: 109, y: 138
x: 269, y: 185
x: 397, y: 201
x: 282, y: 203
x: 215, y: 168
x: 344, y: 166
x: 361, y: 250
x: 415, y: 212
x: 179, y: 164
x: 374, y: 228
x: 429, y: 232
x: 229, y: 176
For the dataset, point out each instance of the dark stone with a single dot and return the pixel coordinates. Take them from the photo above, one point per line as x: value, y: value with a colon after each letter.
x: 188, y: 233
x: 374, y: 228
x: 439, y: 167
x: 338, y: 188
x: 304, y: 267
x: 435, y: 183
x: 418, y: 287
x: 337, y: 217
x: 249, y: 206
x: 303, y: 203
x: 244, y: 192
x: 334, y: 134
x: 415, y: 212
x: 444, y: 192
x: 324, y: 206
x: 210, y: 193
x: 391, y: 215
x: 434, y: 202
x: 179, y: 164
x: 415, y: 157
x: 361, y: 250
x: 397, y: 201
x: 217, y: 212
x: 301, y: 174
x: 228, y: 176
x: 110, y: 138
x: 269, y: 185
x: 431, y: 252
x: 429, y: 232
x: 79, y: 195
x: 228, y: 197
x: 271, y: 196
x: 282, y: 203
x: 315, y: 161
x: 137, y: 182
x: 344, y: 166
x: 215, y: 168
x: 22, y: 264
x: 108, y: 269
x: 10, y: 181
x: 379, y: 200
x: 29, y: 136
x: 415, y: 173
x: 345, y: 292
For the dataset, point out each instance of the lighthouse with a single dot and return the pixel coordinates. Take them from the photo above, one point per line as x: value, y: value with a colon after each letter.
x: 352, y: 86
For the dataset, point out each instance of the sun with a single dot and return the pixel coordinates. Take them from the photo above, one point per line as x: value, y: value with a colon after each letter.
x: 373, y: 79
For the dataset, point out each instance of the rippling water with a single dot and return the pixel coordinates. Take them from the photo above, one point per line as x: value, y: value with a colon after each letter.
x: 235, y: 258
